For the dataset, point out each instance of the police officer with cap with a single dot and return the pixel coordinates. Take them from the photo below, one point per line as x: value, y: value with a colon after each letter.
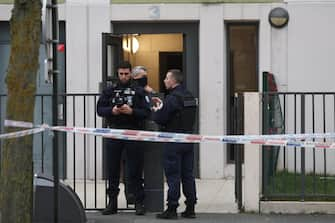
x: 125, y: 107
x: 177, y: 114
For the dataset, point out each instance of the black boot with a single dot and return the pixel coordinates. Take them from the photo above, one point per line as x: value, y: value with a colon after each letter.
x: 139, y: 208
x: 111, y: 207
x: 169, y: 213
x: 189, y: 212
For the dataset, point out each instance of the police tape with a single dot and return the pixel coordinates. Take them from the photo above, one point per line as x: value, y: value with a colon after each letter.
x: 21, y: 133
x: 296, y: 140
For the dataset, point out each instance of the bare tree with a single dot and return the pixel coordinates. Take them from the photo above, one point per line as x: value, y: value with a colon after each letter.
x: 16, y: 176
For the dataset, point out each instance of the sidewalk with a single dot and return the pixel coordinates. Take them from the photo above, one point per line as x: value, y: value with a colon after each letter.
x: 129, y: 217
x: 216, y: 203
x: 214, y: 196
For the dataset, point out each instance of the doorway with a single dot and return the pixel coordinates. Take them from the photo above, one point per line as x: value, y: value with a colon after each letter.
x: 157, y: 52
x: 242, y: 56
x: 175, y: 37
x: 167, y: 61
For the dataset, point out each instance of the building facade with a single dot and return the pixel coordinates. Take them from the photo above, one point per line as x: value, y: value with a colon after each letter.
x: 222, y: 46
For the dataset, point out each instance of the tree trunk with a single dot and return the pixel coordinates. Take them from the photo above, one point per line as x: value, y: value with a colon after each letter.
x: 16, y: 175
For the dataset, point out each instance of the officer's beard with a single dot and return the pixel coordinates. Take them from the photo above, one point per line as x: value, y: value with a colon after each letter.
x: 124, y: 84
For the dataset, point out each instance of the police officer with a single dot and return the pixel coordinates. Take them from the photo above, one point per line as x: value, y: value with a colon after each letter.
x: 177, y: 157
x: 125, y: 107
x: 140, y: 77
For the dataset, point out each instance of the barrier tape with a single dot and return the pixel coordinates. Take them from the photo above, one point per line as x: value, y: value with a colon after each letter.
x: 296, y: 140
x: 21, y: 124
x: 21, y: 133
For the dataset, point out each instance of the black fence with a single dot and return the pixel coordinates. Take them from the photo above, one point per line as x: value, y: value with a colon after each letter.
x: 291, y: 173
x: 81, y: 159
x: 78, y: 163
x: 238, y: 149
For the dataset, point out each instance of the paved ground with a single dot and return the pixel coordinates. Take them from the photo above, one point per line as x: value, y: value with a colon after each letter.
x: 214, y: 196
x: 216, y: 203
x: 129, y: 217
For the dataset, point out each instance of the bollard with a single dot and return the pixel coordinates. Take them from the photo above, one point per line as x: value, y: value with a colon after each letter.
x: 153, y: 173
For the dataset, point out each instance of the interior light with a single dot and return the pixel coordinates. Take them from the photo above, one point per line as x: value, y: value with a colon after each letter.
x: 126, y: 44
x: 130, y: 44
x: 135, y: 45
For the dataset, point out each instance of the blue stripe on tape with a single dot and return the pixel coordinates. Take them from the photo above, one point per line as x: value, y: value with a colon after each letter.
x: 166, y: 135
x: 102, y: 130
x: 293, y: 144
x: 229, y: 140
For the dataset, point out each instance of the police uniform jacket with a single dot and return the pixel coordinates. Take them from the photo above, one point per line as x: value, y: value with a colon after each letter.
x: 171, y: 106
x: 140, y: 106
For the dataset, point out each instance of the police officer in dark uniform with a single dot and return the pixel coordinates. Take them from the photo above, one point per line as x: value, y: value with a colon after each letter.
x: 125, y: 107
x: 178, y: 157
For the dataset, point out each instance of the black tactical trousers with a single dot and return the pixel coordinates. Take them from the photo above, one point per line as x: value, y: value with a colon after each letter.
x: 134, y: 167
x: 178, y: 166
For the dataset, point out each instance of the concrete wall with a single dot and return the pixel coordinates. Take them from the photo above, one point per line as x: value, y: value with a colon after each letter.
x: 85, y: 21
x: 252, y: 183
x: 307, y: 65
x: 5, y: 12
x: 311, y: 47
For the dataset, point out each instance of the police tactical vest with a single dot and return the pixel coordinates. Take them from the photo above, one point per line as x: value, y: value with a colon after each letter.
x: 183, y: 120
x: 125, y: 95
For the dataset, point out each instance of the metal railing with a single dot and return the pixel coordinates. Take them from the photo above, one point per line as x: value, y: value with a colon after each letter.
x: 81, y: 164
x: 238, y: 149
x: 81, y: 157
x: 291, y: 173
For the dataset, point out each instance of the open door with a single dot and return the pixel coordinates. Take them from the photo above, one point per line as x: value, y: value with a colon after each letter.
x: 112, y: 54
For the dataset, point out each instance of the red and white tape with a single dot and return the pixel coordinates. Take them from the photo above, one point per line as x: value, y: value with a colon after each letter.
x: 296, y: 140
x: 21, y: 133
